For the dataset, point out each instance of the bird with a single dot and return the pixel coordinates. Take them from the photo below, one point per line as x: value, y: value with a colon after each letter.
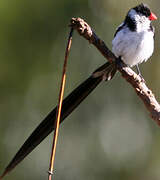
x: 133, y: 41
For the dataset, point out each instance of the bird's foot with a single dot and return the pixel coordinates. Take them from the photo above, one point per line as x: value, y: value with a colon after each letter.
x: 142, y: 79
x: 119, y: 62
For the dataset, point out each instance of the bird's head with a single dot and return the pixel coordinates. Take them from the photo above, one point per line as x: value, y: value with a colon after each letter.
x: 141, y: 16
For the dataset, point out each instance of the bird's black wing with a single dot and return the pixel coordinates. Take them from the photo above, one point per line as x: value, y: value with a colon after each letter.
x: 119, y: 28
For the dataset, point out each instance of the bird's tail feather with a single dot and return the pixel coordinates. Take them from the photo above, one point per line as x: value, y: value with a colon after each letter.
x: 105, y: 72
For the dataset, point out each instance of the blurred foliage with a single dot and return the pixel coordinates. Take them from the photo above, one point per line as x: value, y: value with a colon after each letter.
x: 110, y: 136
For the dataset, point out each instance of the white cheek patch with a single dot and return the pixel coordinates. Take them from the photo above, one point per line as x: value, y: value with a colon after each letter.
x: 142, y: 22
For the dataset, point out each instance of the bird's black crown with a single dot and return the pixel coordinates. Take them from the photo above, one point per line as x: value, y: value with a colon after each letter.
x: 143, y: 9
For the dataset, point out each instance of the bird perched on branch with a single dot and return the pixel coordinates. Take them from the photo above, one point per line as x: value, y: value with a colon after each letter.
x: 133, y: 41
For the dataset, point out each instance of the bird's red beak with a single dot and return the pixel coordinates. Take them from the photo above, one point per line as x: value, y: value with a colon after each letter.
x: 152, y: 17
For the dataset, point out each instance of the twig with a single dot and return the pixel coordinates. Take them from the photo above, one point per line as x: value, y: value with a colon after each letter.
x: 140, y: 87
x: 59, y: 107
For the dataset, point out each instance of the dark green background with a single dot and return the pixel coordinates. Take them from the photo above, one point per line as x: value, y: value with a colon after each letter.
x: 110, y: 136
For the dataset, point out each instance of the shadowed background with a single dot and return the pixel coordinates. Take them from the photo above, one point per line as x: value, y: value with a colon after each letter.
x: 110, y: 135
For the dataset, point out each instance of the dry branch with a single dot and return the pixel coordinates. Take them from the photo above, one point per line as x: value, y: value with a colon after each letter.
x: 140, y: 86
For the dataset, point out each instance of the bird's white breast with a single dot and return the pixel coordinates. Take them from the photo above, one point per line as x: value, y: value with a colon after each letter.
x: 133, y: 47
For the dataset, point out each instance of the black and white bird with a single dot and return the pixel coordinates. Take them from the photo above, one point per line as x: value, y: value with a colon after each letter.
x: 133, y: 41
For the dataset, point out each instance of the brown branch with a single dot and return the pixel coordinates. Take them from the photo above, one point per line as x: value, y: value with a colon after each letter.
x: 127, y: 73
